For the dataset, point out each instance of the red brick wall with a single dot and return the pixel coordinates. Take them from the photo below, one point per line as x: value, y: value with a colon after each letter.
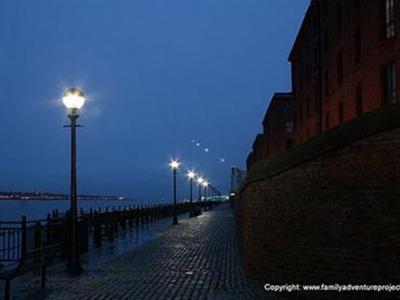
x: 375, y: 53
x: 306, y: 76
x: 260, y: 148
x: 279, y: 113
x: 318, y: 97
x: 333, y: 219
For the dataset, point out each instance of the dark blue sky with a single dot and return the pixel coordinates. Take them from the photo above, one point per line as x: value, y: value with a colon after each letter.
x: 158, y: 74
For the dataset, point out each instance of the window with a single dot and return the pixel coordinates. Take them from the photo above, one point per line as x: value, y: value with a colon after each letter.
x: 389, y: 83
x: 339, y: 70
x: 317, y: 96
x: 326, y: 83
x: 300, y: 57
x: 326, y: 40
x: 340, y: 112
x: 316, y: 59
x: 356, y: 5
x: 300, y: 83
x: 327, y: 121
x: 359, y: 100
x: 357, y: 46
x: 389, y: 29
x: 289, y: 127
x: 324, y: 7
x: 339, y: 19
x: 301, y: 114
x: 289, y: 143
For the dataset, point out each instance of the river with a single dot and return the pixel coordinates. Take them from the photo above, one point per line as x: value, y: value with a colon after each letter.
x: 12, y: 210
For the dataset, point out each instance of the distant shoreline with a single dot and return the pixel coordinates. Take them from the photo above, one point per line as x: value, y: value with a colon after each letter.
x: 66, y: 198
x: 42, y: 196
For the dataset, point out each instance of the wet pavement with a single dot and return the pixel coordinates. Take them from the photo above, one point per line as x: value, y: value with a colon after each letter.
x: 197, y: 259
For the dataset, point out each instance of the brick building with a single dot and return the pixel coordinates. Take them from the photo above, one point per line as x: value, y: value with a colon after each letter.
x: 306, y: 76
x: 344, y: 62
x: 277, y: 129
x: 278, y: 124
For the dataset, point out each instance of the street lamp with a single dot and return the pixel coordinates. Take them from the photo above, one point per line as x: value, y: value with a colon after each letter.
x: 205, y: 184
x: 200, y: 181
x: 174, y: 164
x: 191, y: 175
x: 73, y: 100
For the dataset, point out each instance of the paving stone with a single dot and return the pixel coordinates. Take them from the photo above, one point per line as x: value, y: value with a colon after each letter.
x: 197, y: 259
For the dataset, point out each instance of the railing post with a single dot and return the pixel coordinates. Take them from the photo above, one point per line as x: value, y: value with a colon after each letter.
x: 97, y: 229
x: 115, y: 220
x: 7, y: 288
x: 48, y: 229
x: 23, y: 236
x: 38, y: 235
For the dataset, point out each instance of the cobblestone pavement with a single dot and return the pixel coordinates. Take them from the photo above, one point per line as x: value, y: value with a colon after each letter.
x: 196, y: 259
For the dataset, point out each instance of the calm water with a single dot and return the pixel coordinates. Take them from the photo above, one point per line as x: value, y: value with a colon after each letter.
x: 12, y: 210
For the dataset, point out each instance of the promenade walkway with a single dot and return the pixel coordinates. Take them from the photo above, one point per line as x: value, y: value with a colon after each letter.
x: 196, y: 259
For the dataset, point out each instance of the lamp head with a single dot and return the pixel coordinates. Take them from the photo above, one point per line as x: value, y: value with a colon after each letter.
x: 200, y: 180
x: 174, y: 164
x: 191, y: 174
x: 73, y: 99
x: 205, y: 183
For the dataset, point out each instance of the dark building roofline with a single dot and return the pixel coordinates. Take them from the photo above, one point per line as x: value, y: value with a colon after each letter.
x: 312, y: 2
x: 275, y: 97
x: 258, y: 137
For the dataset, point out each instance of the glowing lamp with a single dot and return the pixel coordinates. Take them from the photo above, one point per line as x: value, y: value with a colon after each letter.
x: 73, y: 99
x: 191, y: 174
x: 174, y: 164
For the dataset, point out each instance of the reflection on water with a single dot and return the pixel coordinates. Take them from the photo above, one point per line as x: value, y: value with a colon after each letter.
x: 12, y: 210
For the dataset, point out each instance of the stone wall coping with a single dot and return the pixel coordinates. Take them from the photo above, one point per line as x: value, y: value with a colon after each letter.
x: 358, y: 128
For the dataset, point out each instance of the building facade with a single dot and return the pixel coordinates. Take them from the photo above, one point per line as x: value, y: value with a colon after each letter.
x: 278, y: 124
x: 353, y: 58
x: 305, y: 59
x: 344, y: 62
x: 277, y: 129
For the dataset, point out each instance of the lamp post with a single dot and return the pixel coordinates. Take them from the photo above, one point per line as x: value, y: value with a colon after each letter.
x: 200, y: 183
x: 205, y: 185
x: 191, y: 175
x: 174, y: 164
x: 73, y: 100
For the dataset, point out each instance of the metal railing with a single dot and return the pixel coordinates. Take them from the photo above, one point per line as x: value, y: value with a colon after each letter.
x: 19, y: 237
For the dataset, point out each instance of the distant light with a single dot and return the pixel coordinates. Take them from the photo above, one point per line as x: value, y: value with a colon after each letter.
x: 198, y: 144
x: 191, y: 174
x: 222, y: 160
x: 174, y: 164
x: 205, y: 183
x: 200, y: 180
x: 233, y: 194
x: 206, y: 150
x: 74, y: 98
